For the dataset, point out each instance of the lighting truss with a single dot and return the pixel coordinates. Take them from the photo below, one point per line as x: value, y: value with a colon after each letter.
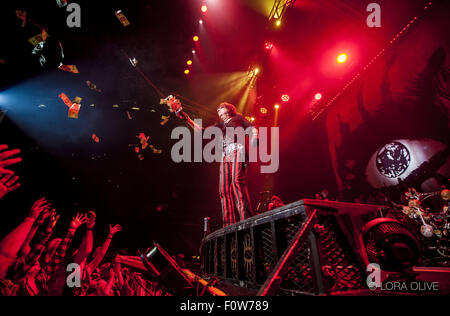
x: 279, y: 9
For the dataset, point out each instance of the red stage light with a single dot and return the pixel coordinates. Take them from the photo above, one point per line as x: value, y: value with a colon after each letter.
x: 318, y: 96
x: 285, y: 98
x: 276, y: 106
x: 204, y: 8
x: 195, y: 38
x: 263, y: 110
x: 342, y: 58
x: 189, y: 62
x: 186, y: 72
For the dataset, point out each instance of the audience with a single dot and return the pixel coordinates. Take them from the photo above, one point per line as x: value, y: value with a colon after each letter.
x: 32, y: 263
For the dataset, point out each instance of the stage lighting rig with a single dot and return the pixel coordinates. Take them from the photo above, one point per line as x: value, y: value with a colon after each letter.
x: 278, y: 10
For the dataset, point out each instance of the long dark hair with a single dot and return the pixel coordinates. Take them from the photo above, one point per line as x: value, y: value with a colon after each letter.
x: 230, y: 107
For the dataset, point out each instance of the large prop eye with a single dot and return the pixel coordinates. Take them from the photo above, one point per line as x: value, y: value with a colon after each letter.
x: 393, y: 159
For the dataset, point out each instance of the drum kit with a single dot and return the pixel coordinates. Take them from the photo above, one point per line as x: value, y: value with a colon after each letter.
x: 430, y: 212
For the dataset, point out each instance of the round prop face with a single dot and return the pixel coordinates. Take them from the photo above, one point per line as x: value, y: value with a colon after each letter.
x: 393, y: 159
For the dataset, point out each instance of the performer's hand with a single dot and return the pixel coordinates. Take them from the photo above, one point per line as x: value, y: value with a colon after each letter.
x: 175, y: 106
x: 173, y: 103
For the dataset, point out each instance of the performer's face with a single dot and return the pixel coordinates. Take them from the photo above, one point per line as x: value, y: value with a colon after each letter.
x: 223, y: 114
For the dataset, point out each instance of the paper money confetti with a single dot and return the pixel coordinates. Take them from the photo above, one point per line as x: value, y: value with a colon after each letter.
x: 95, y: 138
x: 69, y: 68
x: 92, y: 86
x: 65, y: 99
x: 23, y: 16
x: 38, y: 38
x: 38, y: 48
x: 122, y: 18
x: 164, y: 119
x: 77, y: 100
x: 74, y: 110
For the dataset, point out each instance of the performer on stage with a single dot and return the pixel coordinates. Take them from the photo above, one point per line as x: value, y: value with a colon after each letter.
x: 233, y: 166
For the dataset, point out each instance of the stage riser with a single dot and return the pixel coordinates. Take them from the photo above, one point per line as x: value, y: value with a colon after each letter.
x: 247, y: 253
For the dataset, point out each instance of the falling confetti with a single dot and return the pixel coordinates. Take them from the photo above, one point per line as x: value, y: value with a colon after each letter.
x: 69, y: 68
x: 44, y: 35
x: 65, y: 99
x: 143, y: 139
x: 155, y: 151
x: 77, y: 100
x: 23, y: 16
x: 133, y: 61
x: 74, y: 107
x: 95, y: 138
x: 42, y: 60
x: 62, y: 51
x: 164, y: 119
x: 129, y: 116
x: 122, y: 18
x: 39, y: 47
x: 74, y: 110
x: 38, y: 38
x: 61, y: 3
x: 92, y: 86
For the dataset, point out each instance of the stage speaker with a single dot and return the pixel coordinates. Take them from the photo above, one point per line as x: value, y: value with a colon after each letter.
x: 166, y: 271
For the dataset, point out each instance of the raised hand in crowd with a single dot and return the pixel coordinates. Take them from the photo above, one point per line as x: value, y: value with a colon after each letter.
x: 43, y: 212
x: 88, y: 240
x: 113, y: 230
x: 46, y: 213
x: 8, y: 184
x: 4, y: 161
x: 13, y: 242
